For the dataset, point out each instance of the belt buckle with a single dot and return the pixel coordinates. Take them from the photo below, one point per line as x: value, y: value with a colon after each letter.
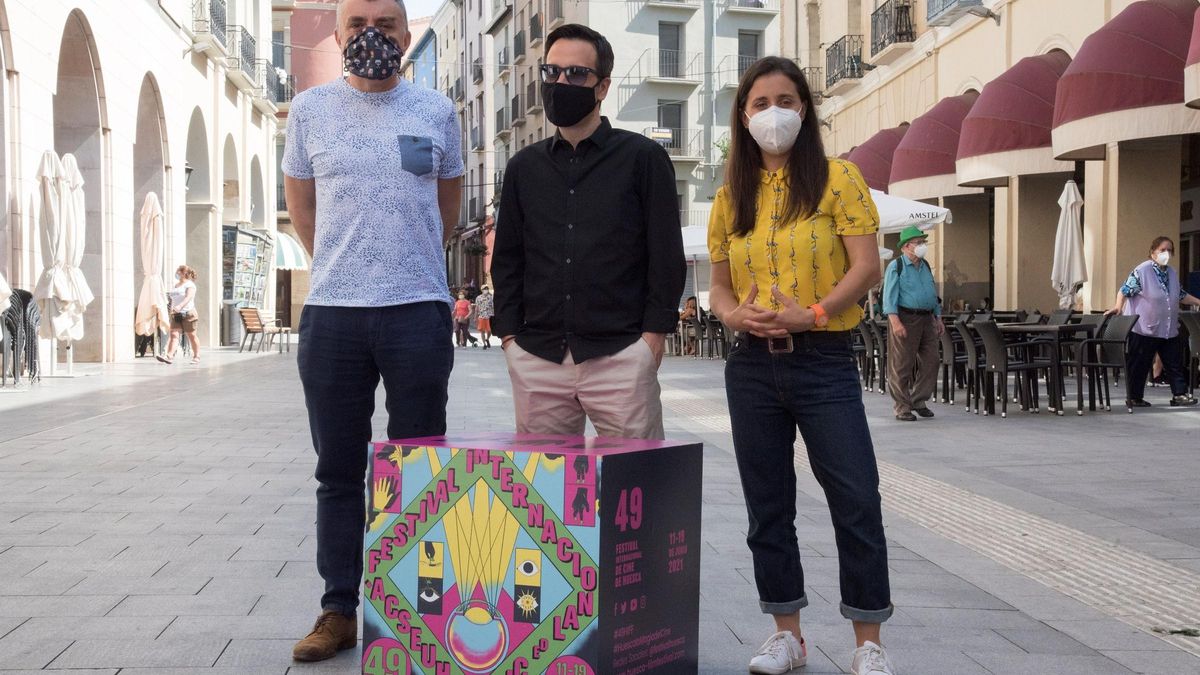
x: 780, y: 345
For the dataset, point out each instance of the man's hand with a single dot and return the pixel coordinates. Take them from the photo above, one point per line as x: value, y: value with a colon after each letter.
x: 938, y: 326
x: 897, y: 326
x: 751, y: 318
x: 658, y: 345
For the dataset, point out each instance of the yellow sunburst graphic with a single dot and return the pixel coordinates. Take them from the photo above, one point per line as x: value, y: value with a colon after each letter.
x: 527, y: 603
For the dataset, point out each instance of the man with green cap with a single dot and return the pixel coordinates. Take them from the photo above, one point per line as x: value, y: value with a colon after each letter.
x: 914, y: 313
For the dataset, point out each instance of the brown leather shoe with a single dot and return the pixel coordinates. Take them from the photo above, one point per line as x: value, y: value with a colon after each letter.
x: 332, y: 633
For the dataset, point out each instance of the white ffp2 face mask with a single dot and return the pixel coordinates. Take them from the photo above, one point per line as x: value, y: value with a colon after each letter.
x: 775, y: 129
x: 920, y: 250
x: 1163, y: 258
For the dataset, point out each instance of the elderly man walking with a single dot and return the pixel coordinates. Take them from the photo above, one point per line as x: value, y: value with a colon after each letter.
x: 373, y: 179
x: 910, y: 302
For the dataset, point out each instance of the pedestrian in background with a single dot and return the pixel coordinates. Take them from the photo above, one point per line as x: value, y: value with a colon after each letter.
x: 182, y: 308
x: 792, y: 244
x: 373, y: 178
x: 588, y: 262
x: 485, y: 309
x: 1153, y: 294
x: 462, y: 320
x: 688, y: 318
x: 910, y: 302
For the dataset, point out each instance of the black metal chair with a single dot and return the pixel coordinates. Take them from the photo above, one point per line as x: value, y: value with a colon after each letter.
x: 952, y: 359
x: 1098, y: 356
x: 880, y: 336
x: 974, y: 366
x: 1060, y: 317
x: 865, y: 350
x: 1191, y: 322
x: 13, y: 343
x: 31, y: 320
x: 1003, y: 358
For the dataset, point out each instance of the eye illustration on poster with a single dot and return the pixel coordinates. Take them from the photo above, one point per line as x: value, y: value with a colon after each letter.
x: 488, y: 560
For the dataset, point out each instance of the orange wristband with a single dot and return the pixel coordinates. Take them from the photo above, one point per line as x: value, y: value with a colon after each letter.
x: 822, y: 317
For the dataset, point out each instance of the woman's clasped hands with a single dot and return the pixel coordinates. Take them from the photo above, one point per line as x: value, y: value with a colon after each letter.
x: 766, y: 323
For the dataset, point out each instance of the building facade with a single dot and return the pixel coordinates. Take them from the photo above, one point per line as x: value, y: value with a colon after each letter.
x: 185, y: 109
x: 989, y: 107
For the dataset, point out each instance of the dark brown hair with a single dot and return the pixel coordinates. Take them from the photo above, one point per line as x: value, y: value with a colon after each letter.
x: 808, y: 168
x: 574, y: 31
x: 1158, y: 241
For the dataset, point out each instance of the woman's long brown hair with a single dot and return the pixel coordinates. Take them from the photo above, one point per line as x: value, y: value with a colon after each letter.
x: 808, y: 168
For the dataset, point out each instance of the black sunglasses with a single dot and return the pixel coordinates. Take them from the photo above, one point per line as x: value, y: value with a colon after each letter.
x: 576, y: 75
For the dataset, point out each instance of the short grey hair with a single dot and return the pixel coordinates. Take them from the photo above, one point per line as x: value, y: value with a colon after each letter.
x: 341, y: 3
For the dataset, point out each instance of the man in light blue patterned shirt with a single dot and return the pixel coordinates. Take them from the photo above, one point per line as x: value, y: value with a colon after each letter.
x: 373, y: 176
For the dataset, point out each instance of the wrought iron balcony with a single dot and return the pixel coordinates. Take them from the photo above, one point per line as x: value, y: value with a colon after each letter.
x: 502, y: 60
x: 680, y: 144
x: 731, y: 69
x: 518, y: 113
x: 535, y: 29
x: 555, y: 12
x: 458, y: 89
x: 519, y: 46
x: 477, y: 70
x: 503, y: 127
x: 287, y: 89
x: 476, y: 139
x: 270, y: 87
x: 533, y: 98
x: 843, y: 64
x: 756, y: 6
x: 669, y: 66
x: 243, y: 50
x: 891, y: 25
x: 816, y: 79
x: 498, y: 178
x: 946, y: 12
x: 210, y: 17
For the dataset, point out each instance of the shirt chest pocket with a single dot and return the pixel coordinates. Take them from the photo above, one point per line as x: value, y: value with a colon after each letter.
x: 416, y: 154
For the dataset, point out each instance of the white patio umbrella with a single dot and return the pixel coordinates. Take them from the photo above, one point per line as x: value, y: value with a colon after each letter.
x: 1069, y: 272
x: 74, y: 218
x: 53, y: 289
x: 151, y: 315
x: 897, y: 213
x: 5, y: 294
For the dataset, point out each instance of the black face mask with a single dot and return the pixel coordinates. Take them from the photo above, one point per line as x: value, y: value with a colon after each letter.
x: 567, y: 104
x: 372, y: 55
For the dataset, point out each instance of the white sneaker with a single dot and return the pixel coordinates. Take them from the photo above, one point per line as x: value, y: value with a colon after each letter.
x: 870, y: 659
x: 779, y: 654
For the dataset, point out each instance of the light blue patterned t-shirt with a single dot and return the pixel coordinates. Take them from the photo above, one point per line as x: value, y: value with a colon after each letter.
x: 376, y: 159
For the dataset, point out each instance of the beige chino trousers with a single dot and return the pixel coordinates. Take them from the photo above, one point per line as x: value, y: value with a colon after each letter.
x: 619, y: 393
x: 913, y: 362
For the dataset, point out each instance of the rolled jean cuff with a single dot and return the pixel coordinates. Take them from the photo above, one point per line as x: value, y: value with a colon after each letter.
x: 784, y: 608
x: 351, y: 612
x: 868, y: 615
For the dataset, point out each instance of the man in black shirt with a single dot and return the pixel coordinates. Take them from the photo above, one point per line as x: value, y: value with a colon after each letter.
x: 588, y: 263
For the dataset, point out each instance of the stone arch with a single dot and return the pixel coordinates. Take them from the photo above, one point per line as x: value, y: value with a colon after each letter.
x: 969, y: 84
x: 203, y: 230
x: 197, y: 171
x: 150, y: 153
x: 258, y: 195
x: 1057, y: 42
x: 80, y: 128
x: 231, y: 182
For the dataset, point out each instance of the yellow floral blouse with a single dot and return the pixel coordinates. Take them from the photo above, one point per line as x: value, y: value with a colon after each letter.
x: 804, y: 258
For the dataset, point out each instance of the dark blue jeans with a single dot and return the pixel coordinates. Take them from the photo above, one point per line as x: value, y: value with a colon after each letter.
x: 815, y: 388
x: 342, y: 355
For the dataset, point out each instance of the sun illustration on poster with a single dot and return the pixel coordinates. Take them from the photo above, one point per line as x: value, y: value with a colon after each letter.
x: 527, y: 603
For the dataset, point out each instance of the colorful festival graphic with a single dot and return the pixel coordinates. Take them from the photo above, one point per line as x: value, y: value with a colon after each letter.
x: 490, y: 554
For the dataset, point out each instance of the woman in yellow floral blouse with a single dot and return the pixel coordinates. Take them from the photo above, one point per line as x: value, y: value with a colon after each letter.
x: 792, y: 244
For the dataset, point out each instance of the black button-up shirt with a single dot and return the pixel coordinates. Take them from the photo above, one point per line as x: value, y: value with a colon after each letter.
x: 588, y: 252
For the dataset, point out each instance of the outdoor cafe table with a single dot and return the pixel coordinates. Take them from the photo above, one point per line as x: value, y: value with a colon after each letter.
x: 1055, y: 333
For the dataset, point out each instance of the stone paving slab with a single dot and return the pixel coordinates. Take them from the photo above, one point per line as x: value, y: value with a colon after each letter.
x: 194, y: 553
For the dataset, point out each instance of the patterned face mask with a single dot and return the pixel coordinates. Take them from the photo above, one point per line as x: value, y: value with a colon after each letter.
x: 372, y: 55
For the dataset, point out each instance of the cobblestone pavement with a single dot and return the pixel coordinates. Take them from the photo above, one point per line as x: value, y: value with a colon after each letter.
x: 159, y: 520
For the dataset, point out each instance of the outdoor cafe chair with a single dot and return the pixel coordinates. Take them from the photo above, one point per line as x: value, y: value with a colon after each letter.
x: 1061, y: 317
x: 952, y: 361
x: 1002, y: 358
x: 974, y: 366
x: 1191, y: 321
x: 31, y: 321
x: 13, y: 343
x: 1099, y: 355
x: 879, y: 335
x: 867, y: 355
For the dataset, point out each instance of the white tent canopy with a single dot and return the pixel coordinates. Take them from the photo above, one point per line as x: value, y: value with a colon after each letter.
x: 1069, y: 272
x: 151, y: 316
x: 897, y: 213
x: 54, y: 287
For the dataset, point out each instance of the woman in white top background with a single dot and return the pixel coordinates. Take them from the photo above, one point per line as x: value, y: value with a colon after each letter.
x: 183, y: 313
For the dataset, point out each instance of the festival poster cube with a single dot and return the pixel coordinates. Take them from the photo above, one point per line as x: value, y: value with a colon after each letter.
x: 522, y: 554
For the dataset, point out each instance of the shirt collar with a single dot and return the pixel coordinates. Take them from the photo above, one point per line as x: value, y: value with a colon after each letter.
x: 598, y: 138
x: 769, y: 177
